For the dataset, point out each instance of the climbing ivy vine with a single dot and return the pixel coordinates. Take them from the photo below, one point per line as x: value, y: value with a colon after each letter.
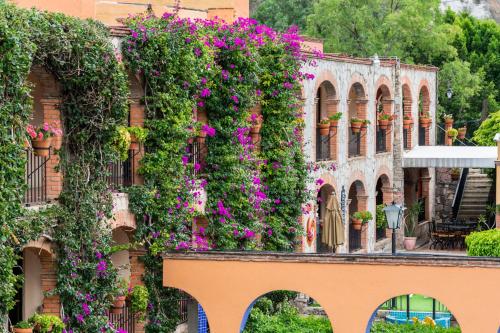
x: 93, y: 103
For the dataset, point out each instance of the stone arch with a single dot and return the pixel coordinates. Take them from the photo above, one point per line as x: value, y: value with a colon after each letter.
x: 393, y: 305
x: 383, y: 107
x: 357, y: 201
x: 383, y: 195
x: 301, y: 297
x: 42, y: 170
x: 39, y: 269
x: 424, y: 101
x: 407, y: 112
x: 326, y: 104
x: 323, y: 195
x: 357, y: 108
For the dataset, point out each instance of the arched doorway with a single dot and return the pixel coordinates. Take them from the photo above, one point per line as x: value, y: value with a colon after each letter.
x: 357, y: 202
x: 323, y: 196
x: 423, y: 111
x: 357, y: 109
x: 407, y: 117
x: 384, y: 124
x: 416, y: 189
x: 383, y: 196
x: 326, y: 106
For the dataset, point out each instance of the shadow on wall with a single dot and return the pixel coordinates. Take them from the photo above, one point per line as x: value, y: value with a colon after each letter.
x: 285, y: 311
x: 408, y: 311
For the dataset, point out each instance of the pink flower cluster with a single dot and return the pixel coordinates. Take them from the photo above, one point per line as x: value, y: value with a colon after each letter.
x: 43, y: 131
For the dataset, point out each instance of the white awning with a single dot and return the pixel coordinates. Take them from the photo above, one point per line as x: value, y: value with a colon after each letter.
x: 450, y: 157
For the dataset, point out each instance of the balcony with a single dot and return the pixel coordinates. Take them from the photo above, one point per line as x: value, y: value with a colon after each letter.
x: 122, y: 174
x: 35, y: 178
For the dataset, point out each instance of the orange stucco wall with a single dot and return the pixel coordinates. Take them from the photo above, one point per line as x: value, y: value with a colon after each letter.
x: 349, y: 288
x: 109, y: 11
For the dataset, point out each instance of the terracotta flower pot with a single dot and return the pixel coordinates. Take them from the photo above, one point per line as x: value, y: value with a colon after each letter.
x: 356, y: 126
x: 425, y: 122
x: 409, y: 243
x: 334, y: 123
x: 255, y: 137
x: 448, y: 122
x: 23, y: 330
x: 118, y: 304
x: 461, y: 133
x: 41, y: 147
x: 324, y: 129
x: 255, y: 129
x: 201, y: 138
x: 407, y: 123
x: 383, y: 123
x: 356, y: 224
x: 134, y: 143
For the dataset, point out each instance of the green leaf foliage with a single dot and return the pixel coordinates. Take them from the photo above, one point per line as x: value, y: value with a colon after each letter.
x: 381, y: 327
x: 484, y: 243
x: 485, y: 134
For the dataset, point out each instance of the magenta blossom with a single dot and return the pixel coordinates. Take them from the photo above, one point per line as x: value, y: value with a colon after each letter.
x: 210, y: 131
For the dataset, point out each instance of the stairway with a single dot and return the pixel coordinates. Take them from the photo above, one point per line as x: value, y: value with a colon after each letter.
x: 475, y: 197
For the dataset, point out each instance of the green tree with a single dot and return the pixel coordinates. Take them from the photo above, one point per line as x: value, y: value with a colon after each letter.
x: 488, y: 129
x: 478, y: 42
x: 281, y: 14
x: 466, y: 87
x: 412, y: 30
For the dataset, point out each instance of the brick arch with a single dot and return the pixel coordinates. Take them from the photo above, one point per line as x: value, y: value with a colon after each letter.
x: 357, y: 78
x: 356, y: 175
x: 407, y: 86
x: 384, y: 170
x: 328, y: 179
x: 42, y: 245
x: 326, y: 76
x: 384, y: 81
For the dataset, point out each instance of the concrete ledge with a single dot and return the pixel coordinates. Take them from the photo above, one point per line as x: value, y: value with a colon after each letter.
x: 371, y: 259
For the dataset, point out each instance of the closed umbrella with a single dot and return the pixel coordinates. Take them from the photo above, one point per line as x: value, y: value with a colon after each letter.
x: 333, y: 228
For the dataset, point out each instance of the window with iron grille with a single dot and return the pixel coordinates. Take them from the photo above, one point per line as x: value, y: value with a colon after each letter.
x: 380, y: 142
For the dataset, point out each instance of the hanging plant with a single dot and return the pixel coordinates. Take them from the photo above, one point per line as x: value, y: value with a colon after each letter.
x: 324, y: 127
x: 356, y: 124
x: 384, y: 120
x: 334, y: 119
x: 407, y: 122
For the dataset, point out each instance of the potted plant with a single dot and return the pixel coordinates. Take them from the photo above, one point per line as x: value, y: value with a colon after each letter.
x: 41, y: 137
x: 425, y: 120
x: 448, y: 119
x: 256, y: 120
x: 23, y: 327
x: 410, y: 226
x: 45, y: 323
x: 139, y: 298
x: 455, y: 173
x: 461, y: 132
x: 356, y: 124
x: 137, y: 136
x: 334, y: 119
x: 452, y: 133
x: 360, y: 218
x: 121, y: 295
x: 364, y: 125
x: 383, y: 120
x: 407, y: 122
x: 324, y: 126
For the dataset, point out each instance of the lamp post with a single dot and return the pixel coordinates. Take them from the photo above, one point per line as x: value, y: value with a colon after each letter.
x: 394, y: 215
x: 449, y: 91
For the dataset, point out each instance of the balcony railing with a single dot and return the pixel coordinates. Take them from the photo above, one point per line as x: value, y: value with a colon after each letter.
x: 35, y: 178
x: 121, y: 174
x: 322, y: 147
x: 124, y: 320
x: 405, y: 138
x: 195, y: 151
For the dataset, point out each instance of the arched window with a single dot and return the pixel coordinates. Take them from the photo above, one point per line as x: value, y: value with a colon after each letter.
x: 326, y: 106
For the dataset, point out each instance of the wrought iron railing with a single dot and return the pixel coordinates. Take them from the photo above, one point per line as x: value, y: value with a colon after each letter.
x: 354, y: 239
x: 124, y: 320
x: 195, y: 152
x: 35, y: 178
x: 183, y: 310
x: 459, y: 193
x: 122, y: 174
x: 421, y: 136
x: 406, y: 132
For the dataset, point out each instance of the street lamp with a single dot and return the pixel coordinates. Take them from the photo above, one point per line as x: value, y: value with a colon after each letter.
x: 394, y: 215
x: 449, y: 91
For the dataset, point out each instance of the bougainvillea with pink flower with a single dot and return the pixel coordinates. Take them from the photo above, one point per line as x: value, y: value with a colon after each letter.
x: 43, y: 131
x: 226, y: 69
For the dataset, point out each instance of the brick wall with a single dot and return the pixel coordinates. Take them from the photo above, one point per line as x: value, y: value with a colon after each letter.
x: 51, y: 304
